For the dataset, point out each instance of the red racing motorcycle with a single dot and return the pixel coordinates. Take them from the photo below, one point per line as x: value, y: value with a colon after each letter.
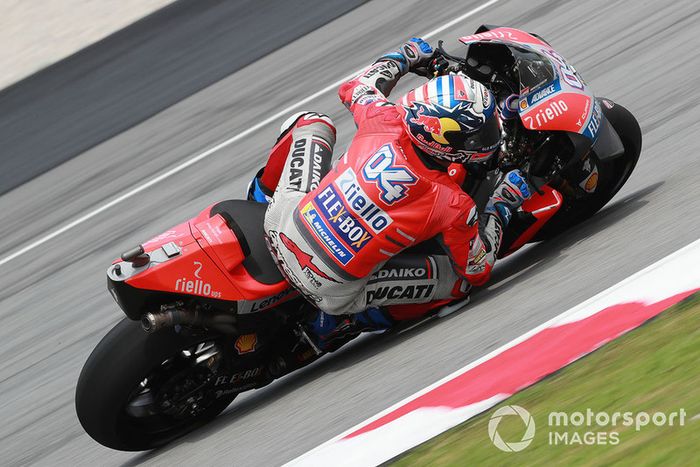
x: 208, y: 314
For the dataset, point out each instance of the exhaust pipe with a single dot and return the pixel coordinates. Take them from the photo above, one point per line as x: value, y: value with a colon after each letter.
x: 223, y: 322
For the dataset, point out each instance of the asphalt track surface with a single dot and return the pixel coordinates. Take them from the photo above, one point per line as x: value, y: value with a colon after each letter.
x: 53, y: 302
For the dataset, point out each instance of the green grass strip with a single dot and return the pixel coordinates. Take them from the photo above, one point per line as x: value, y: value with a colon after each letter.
x: 655, y: 368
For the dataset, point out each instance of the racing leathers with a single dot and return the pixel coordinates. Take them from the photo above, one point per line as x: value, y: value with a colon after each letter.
x: 338, y: 235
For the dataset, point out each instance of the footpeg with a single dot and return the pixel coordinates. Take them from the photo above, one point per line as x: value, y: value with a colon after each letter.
x: 306, y: 338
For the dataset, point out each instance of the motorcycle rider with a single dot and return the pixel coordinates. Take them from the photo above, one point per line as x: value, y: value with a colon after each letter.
x: 334, y: 231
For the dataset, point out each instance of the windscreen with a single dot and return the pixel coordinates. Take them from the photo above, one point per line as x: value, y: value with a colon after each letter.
x: 534, y: 69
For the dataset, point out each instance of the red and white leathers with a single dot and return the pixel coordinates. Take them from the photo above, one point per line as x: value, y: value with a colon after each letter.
x: 332, y: 236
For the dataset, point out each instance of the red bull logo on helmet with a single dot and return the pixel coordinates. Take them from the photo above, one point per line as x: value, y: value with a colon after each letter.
x: 436, y: 127
x: 430, y: 124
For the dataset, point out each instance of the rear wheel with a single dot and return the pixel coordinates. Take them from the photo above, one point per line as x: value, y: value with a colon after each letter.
x: 138, y: 391
x: 613, y: 175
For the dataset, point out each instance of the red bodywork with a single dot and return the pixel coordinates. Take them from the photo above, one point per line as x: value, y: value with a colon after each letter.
x: 567, y: 107
x: 542, y: 207
x: 210, y: 259
x: 209, y: 264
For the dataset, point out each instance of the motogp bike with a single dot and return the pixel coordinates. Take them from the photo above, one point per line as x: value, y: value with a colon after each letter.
x: 208, y: 314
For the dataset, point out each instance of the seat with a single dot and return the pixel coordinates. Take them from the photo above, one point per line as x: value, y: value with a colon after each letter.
x: 246, y: 219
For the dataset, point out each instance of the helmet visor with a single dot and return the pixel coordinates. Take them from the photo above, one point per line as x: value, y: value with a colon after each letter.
x: 483, y: 140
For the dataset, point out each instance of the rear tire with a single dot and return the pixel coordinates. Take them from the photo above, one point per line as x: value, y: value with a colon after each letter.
x: 124, y: 358
x: 613, y: 175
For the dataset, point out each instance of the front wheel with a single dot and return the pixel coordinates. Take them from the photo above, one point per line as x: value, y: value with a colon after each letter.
x: 613, y: 175
x: 138, y: 391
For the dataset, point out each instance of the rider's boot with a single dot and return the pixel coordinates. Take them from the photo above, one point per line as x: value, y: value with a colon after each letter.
x: 330, y: 332
x: 265, y: 181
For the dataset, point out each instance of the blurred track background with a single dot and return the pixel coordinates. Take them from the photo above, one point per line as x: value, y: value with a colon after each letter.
x: 54, y: 305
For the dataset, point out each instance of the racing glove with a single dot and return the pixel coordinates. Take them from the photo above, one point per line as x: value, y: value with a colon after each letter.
x: 415, y: 56
x: 508, y: 196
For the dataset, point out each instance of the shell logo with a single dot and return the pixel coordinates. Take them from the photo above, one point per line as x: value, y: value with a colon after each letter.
x: 246, y: 343
x: 591, y: 183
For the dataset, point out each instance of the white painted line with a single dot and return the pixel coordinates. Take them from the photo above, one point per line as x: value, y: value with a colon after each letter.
x: 182, y: 166
x: 673, y: 274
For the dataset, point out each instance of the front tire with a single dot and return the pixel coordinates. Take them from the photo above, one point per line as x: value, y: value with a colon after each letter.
x: 614, y: 173
x: 126, y: 397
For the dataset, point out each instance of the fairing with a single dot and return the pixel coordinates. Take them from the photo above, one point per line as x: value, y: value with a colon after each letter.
x: 529, y: 220
x: 553, y: 97
x: 208, y: 264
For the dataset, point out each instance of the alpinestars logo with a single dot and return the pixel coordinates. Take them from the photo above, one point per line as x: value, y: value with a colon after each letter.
x: 304, y: 259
